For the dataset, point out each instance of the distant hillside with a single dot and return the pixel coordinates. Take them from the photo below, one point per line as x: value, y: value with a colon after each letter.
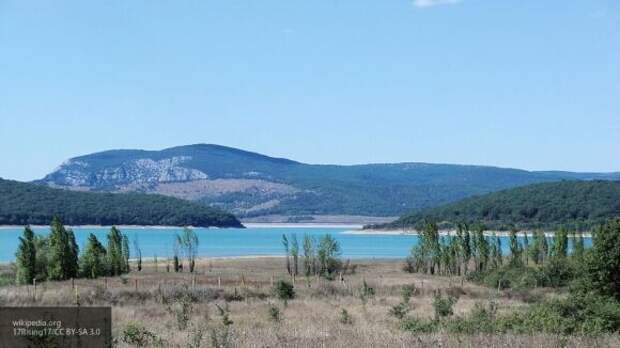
x: 577, y: 204
x: 251, y: 184
x: 22, y: 203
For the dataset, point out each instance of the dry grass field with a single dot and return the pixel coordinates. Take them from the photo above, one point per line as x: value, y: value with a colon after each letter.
x: 230, y: 303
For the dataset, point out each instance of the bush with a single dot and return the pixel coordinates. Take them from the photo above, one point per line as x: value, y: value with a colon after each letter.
x: 235, y: 296
x: 514, y: 276
x: 590, y: 315
x: 284, y: 290
x: 557, y: 272
x: 480, y: 320
x: 366, y: 292
x: 408, y: 291
x: 416, y: 325
x: 138, y: 335
x: 274, y: 314
x: 345, y: 317
x: 443, y: 306
x: 400, y: 310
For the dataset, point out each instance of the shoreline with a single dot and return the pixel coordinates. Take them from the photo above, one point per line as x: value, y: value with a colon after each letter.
x: 301, y: 225
x: 488, y: 233
x: 164, y: 227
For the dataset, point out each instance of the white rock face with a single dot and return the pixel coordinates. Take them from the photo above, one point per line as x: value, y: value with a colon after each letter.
x: 136, y: 172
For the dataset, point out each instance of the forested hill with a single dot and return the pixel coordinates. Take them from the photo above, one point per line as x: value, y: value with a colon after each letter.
x: 575, y: 204
x: 23, y: 203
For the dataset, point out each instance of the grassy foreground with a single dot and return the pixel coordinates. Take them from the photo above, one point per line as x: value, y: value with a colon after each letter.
x: 230, y: 302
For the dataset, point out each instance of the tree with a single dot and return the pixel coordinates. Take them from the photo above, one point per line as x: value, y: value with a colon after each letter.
x: 138, y: 250
x: 536, y: 251
x: 176, y: 265
x: 295, y: 254
x: 560, y: 244
x: 41, y: 245
x: 496, y: 251
x: 189, y: 242
x: 125, y: 253
x: 93, y: 259
x: 466, y: 247
x: 114, y: 253
x: 578, y: 246
x: 327, y: 252
x: 602, y: 268
x: 544, y: 246
x: 287, y: 253
x: 482, y: 247
x: 526, y: 248
x: 515, y: 248
x: 62, y: 263
x: 26, y: 257
x: 73, y: 252
x: 430, y: 248
x: 309, y: 255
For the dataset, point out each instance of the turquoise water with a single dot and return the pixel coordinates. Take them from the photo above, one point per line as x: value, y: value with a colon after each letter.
x: 236, y: 242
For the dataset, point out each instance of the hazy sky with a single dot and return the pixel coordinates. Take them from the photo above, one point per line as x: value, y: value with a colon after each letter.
x: 525, y: 83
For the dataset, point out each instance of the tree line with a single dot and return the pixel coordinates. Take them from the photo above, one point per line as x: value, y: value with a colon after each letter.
x: 474, y: 250
x: 591, y: 276
x: 57, y: 256
x: 315, y: 256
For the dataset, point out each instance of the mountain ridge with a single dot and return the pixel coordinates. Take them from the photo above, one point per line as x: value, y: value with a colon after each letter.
x: 252, y: 184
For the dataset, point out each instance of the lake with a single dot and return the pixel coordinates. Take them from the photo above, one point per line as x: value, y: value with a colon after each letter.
x: 236, y: 242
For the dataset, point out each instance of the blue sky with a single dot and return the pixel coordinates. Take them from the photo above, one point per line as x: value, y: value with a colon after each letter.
x: 527, y: 84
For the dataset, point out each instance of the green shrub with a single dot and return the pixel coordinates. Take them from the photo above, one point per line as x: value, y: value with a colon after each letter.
x: 480, y: 320
x: 400, y: 310
x: 235, y: 296
x: 557, y: 272
x: 416, y: 325
x: 407, y: 292
x: 284, y: 290
x: 137, y: 335
x: 366, y: 292
x: 345, y: 317
x: 443, y: 306
x: 275, y: 314
x: 221, y: 334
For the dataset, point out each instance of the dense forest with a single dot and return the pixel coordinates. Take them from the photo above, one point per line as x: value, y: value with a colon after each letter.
x: 576, y: 205
x: 23, y: 204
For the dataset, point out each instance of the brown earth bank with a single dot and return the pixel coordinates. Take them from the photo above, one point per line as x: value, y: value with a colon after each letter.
x: 190, y: 310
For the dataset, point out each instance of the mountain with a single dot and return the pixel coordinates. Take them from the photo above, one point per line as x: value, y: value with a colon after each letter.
x: 575, y: 204
x: 24, y: 203
x: 250, y: 184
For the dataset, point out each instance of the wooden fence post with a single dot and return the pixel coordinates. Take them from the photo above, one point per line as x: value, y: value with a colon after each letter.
x: 34, y: 292
x: 72, y: 283
x: 219, y: 282
x: 136, y: 284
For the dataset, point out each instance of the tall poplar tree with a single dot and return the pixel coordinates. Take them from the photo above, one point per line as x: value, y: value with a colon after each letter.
x: 26, y: 257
